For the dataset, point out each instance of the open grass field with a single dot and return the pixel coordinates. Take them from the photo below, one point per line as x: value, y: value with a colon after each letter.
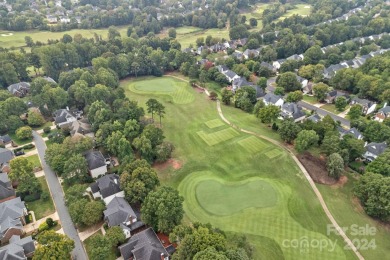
x: 218, y: 137
x: 301, y: 9
x: 280, y: 206
x: 16, y: 39
x: 173, y: 88
x: 40, y: 207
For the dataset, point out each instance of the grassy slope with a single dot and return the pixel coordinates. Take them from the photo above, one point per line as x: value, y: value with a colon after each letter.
x: 17, y: 39
x: 297, y: 213
x: 42, y: 208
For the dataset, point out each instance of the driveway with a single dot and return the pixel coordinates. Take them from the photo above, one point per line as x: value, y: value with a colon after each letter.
x: 58, y: 197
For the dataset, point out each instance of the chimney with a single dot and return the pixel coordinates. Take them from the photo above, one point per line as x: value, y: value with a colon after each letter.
x: 162, y: 257
x: 67, y: 108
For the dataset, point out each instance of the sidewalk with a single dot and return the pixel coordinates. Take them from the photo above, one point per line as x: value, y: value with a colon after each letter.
x: 90, y: 231
x: 29, y: 153
x: 34, y: 226
x: 39, y: 174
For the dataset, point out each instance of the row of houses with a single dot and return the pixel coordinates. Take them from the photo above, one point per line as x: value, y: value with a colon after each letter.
x: 288, y: 110
x: 143, y: 244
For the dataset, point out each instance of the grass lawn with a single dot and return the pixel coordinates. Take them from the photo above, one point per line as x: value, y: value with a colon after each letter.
x: 42, y: 208
x: 34, y: 159
x: 43, y: 126
x: 347, y: 211
x: 88, y: 246
x: 310, y: 99
x: 215, y: 179
x: 301, y: 9
x: 331, y: 108
x: 16, y: 39
x: 19, y: 141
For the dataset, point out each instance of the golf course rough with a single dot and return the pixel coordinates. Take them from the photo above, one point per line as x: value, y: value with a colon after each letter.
x: 237, y: 182
x: 177, y: 90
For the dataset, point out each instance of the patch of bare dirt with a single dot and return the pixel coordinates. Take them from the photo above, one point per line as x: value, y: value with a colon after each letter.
x: 175, y: 164
x: 316, y: 167
x: 341, y: 182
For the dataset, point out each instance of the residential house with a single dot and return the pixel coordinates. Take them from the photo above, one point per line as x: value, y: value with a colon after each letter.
x: 5, y: 139
x: 332, y: 70
x: 315, y: 118
x: 272, y: 99
x: 353, y: 131
x: 222, y: 68
x: 296, y: 57
x: 268, y: 66
x: 382, y: 114
x: 367, y: 106
x: 242, y: 82
x: 308, y: 89
x: 50, y: 80
x: 248, y: 53
x: 277, y: 64
x: 51, y: 19
x: 5, y: 157
x: 18, y: 248
x: 106, y: 188
x: 97, y: 165
x: 303, y: 81
x: 188, y: 50
x: 373, y: 150
x: 7, y: 192
x: 144, y: 245
x: 293, y: 111
x: 332, y: 95
x: 217, y: 47
x: 202, y: 62
x: 63, y: 117
x: 12, y: 218
x: 200, y: 49
x: 81, y: 127
x: 230, y: 75
x: 120, y: 213
x: 238, y: 55
x: 20, y: 89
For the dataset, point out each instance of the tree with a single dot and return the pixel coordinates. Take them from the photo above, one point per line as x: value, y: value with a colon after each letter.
x: 355, y: 147
x: 335, y: 165
x: 101, y: 247
x: 139, y: 183
x: 262, y: 82
x: 29, y: 41
x: 35, y: 118
x: 92, y: 212
x: 113, y: 33
x: 305, y: 139
x: 355, y: 112
x: 381, y: 164
x: 163, y: 209
x: 288, y: 81
x: 172, y: 33
x: 164, y: 151
x: 52, y: 245
x: 331, y: 143
x: 253, y: 22
x: 75, y: 169
x: 288, y: 130
x: 295, y: 96
x: 320, y: 90
x: 75, y: 193
x: 258, y: 106
x: 115, y: 235
x: 117, y: 144
x: 313, y: 55
x: 341, y: 103
x: 210, y: 253
x: 279, y: 91
x: 22, y: 172
x: 269, y: 114
x: 238, y: 32
x: 152, y: 105
x: 227, y: 96
x: 160, y: 110
x: 373, y: 191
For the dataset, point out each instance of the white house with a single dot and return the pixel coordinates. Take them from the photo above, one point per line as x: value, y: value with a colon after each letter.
x: 272, y: 99
x: 63, y: 116
x: 382, y: 114
x: 106, y: 188
x: 230, y: 75
x: 97, y: 165
x: 367, y: 106
x: 373, y: 150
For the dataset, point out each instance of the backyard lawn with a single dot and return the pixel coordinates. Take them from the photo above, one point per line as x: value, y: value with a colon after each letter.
x: 19, y: 141
x: 331, y: 108
x: 238, y: 182
x: 310, y: 99
x: 40, y: 207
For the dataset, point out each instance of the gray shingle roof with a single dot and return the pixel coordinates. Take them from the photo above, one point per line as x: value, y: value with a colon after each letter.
x: 271, y: 98
x: 61, y: 116
x: 5, y: 155
x: 95, y: 159
x: 17, y: 248
x: 353, y: 131
x: 107, y: 185
x: 118, y: 211
x: 376, y: 148
x: 19, y: 87
x: 143, y: 246
x: 385, y: 109
x: 5, y: 138
x: 6, y: 189
x: 315, y: 118
x: 293, y: 109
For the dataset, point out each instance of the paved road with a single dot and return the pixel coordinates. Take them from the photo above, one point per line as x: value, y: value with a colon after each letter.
x: 320, y: 111
x: 308, y: 177
x: 58, y: 197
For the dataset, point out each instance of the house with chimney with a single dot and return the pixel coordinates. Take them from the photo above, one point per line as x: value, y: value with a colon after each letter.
x: 368, y: 106
x: 292, y: 111
x: 106, y: 188
x: 18, y: 248
x: 382, y: 114
x: 63, y: 117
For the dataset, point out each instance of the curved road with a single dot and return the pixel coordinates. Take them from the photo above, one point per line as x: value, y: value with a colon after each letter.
x: 58, y: 197
x: 308, y: 177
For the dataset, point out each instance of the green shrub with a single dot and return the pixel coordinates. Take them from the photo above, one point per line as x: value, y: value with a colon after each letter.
x: 42, y: 227
x: 50, y: 222
x: 47, y: 129
x: 31, y: 197
x: 45, y: 196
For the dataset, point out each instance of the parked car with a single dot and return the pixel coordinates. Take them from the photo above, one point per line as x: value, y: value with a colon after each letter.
x: 19, y: 153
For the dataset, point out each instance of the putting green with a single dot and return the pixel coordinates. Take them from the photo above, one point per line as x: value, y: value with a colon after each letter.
x: 222, y: 198
x: 273, y: 153
x: 179, y: 91
x: 218, y: 137
x: 253, y: 144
